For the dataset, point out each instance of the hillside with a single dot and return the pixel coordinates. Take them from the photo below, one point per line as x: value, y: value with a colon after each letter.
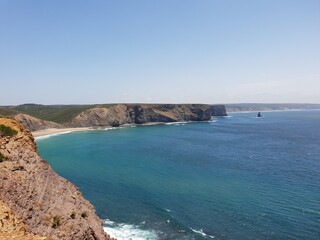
x: 34, y: 201
x: 39, y: 117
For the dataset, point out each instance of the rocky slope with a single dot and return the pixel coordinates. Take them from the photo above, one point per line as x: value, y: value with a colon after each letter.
x: 35, y: 124
x: 34, y: 200
x: 32, y: 116
x: 218, y: 110
x: 138, y: 114
x: 12, y: 227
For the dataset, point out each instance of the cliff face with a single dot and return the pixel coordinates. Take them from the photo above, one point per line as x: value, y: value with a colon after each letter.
x: 109, y: 114
x: 12, y: 227
x: 122, y: 114
x: 35, y: 124
x: 170, y: 113
x: 44, y: 203
x: 218, y: 110
x: 101, y: 116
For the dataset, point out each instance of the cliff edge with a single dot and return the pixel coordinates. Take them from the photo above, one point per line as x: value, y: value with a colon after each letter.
x: 37, y: 117
x: 140, y: 113
x: 35, y: 202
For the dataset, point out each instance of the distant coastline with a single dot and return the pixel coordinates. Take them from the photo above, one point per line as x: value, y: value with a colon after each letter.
x: 282, y: 110
x: 268, y: 107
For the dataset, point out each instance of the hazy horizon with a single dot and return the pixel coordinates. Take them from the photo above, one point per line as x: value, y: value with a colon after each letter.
x: 83, y: 104
x: 181, y: 51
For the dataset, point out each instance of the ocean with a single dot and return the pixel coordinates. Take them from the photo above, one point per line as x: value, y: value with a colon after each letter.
x: 236, y: 177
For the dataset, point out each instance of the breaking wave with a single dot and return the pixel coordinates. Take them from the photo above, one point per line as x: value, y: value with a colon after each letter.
x: 201, y: 232
x: 51, y: 135
x: 122, y: 231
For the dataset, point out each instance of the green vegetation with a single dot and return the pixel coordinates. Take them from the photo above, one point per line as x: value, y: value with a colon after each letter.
x: 73, y: 215
x: 7, y: 111
x: 84, y: 214
x: 7, y: 131
x: 55, y: 222
x: 2, y: 158
x: 55, y: 113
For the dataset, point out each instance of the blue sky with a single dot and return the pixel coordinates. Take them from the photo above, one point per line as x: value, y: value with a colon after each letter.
x: 177, y: 51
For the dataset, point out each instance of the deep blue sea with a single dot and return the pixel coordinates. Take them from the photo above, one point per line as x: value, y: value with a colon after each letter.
x: 237, y: 177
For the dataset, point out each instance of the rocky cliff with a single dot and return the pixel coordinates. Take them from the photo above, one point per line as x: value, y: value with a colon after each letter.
x: 218, y: 110
x: 40, y: 117
x: 36, y: 203
x: 125, y: 114
x: 35, y: 124
x: 12, y: 227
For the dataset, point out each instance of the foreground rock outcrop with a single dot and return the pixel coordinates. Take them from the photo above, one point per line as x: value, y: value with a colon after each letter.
x: 35, y: 202
x: 12, y: 227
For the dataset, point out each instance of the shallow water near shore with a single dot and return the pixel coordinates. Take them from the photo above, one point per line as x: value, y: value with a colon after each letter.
x: 238, y: 177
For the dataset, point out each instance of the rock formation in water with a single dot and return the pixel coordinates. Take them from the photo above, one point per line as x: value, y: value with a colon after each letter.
x: 110, y: 115
x: 35, y: 202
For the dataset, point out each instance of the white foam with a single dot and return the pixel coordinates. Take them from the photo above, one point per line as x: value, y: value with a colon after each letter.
x: 109, y: 222
x: 123, y: 231
x: 51, y: 135
x: 201, y: 232
x: 176, y: 123
x: 112, y: 128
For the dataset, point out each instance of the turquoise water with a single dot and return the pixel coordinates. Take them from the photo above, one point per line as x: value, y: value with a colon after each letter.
x: 237, y: 177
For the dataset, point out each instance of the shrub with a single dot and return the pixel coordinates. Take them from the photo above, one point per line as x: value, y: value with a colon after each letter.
x: 73, y: 215
x: 2, y: 157
x: 55, y: 222
x: 84, y: 214
x: 7, y: 131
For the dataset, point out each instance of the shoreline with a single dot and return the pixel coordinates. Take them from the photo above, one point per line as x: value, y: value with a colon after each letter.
x: 57, y: 131
x: 276, y: 110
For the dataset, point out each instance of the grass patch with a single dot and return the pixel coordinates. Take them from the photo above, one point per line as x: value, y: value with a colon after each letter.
x: 7, y: 111
x: 84, y: 214
x: 54, y: 113
x: 2, y: 158
x: 73, y: 215
x: 7, y: 131
x: 55, y: 222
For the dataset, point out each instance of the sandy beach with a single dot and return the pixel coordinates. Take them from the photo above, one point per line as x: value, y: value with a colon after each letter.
x: 51, y: 131
x: 56, y: 131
